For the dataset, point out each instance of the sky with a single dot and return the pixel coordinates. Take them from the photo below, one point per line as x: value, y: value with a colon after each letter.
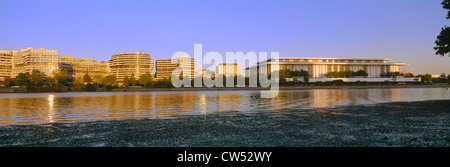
x: 402, y: 30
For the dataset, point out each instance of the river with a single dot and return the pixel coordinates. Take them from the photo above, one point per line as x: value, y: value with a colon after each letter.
x: 42, y: 108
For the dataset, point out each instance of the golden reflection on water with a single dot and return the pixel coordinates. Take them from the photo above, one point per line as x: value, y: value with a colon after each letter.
x: 51, y: 111
x: 67, y: 107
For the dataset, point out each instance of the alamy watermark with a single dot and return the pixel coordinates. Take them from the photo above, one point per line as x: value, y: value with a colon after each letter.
x: 260, y: 70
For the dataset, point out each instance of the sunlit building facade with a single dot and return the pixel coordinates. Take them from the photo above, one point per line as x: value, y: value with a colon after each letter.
x: 29, y: 59
x: 319, y: 67
x: 126, y: 63
x: 5, y: 64
x: 78, y: 68
x: 227, y: 69
x: 165, y: 67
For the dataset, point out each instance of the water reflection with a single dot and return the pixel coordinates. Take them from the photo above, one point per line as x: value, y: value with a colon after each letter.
x: 51, y: 110
x: 67, y: 107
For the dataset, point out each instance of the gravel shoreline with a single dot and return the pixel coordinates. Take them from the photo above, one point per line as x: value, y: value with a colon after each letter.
x: 398, y: 124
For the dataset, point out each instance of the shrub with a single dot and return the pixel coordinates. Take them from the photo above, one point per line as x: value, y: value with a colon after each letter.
x: 90, y: 87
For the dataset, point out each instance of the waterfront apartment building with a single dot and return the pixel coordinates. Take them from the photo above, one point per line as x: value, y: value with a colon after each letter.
x: 165, y: 67
x: 126, y: 63
x: 77, y: 68
x: 5, y: 64
x: 227, y: 69
x: 29, y: 59
x: 319, y: 67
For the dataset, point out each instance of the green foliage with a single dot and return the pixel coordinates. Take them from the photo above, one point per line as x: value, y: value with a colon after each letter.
x: 443, y: 42
x: 446, y: 5
x: 108, y: 87
x: 427, y: 78
x: 126, y: 81
x: 409, y: 75
x: 145, y: 79
x: 77, y: 84
x: 22, y: 79
x: 133, y: 80
x: 442, y: 78
x: 360, y: 73
x: 164, y: 83
x: 36, y: 77
x: 110, y: 80
x: 7, y: 81
x: 346, y: 74
x: 90, y: 87
x: 50, y: 80
x: 98, y: 79
x: 87, y: 78
x: 390, y: 74
x: 283, y: 74
x: 443, y: 39
x: 60, y: 77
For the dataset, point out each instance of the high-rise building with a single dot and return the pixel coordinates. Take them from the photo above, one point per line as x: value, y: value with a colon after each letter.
x: 165, y: 67
x: 29, y: 59
x: 125, y: 64
x: 5, y: 64
x: 227, y: 69
x: 77, y: 68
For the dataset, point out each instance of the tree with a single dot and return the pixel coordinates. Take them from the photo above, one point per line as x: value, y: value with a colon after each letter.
x: 50, y: 80
x: 409, y: 75
x: 36, y: 77
x: 87, y: 78
x: 60, y: 77
x: 98, y: 79
x: 7, y: 81
x: 305, y: 75
x: 126, y: 81
x: 90, y: 87
x: 133, y: 80
x: 77, y: 85
x: 145, y: 79
x: 283, y: 74
x: 448, y: 78
x: 427, y: 78
x: 110, y: 80
x: 21, y: 79
x: 443, y: 39
x: 360, y: 73
x: 295, y: 79
x: 442, y: 78
x: 394, y: 76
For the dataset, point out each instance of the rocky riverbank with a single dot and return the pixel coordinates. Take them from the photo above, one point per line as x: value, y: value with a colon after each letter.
x: 399, y: 124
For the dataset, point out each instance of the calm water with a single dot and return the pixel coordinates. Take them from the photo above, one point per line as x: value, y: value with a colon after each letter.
x: 38, y: 108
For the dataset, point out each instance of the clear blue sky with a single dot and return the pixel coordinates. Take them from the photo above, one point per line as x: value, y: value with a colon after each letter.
x: 403, y: 30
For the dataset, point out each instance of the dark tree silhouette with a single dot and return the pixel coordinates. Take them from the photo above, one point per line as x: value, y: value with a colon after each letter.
x: 443, y: 39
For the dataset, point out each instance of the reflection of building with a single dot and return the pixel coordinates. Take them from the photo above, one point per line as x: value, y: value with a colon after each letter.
x: 79, y: 67
x: 125, y: 64
x: 165, y: 67
x: 318, y: 67
x: 5, y: 64
x: 29, y: 59
x: 227, y: 69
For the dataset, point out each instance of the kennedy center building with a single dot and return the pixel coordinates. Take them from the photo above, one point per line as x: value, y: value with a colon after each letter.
x: 319, y: 67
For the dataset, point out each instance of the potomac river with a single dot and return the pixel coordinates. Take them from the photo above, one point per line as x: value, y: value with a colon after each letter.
x: 315, y: 117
